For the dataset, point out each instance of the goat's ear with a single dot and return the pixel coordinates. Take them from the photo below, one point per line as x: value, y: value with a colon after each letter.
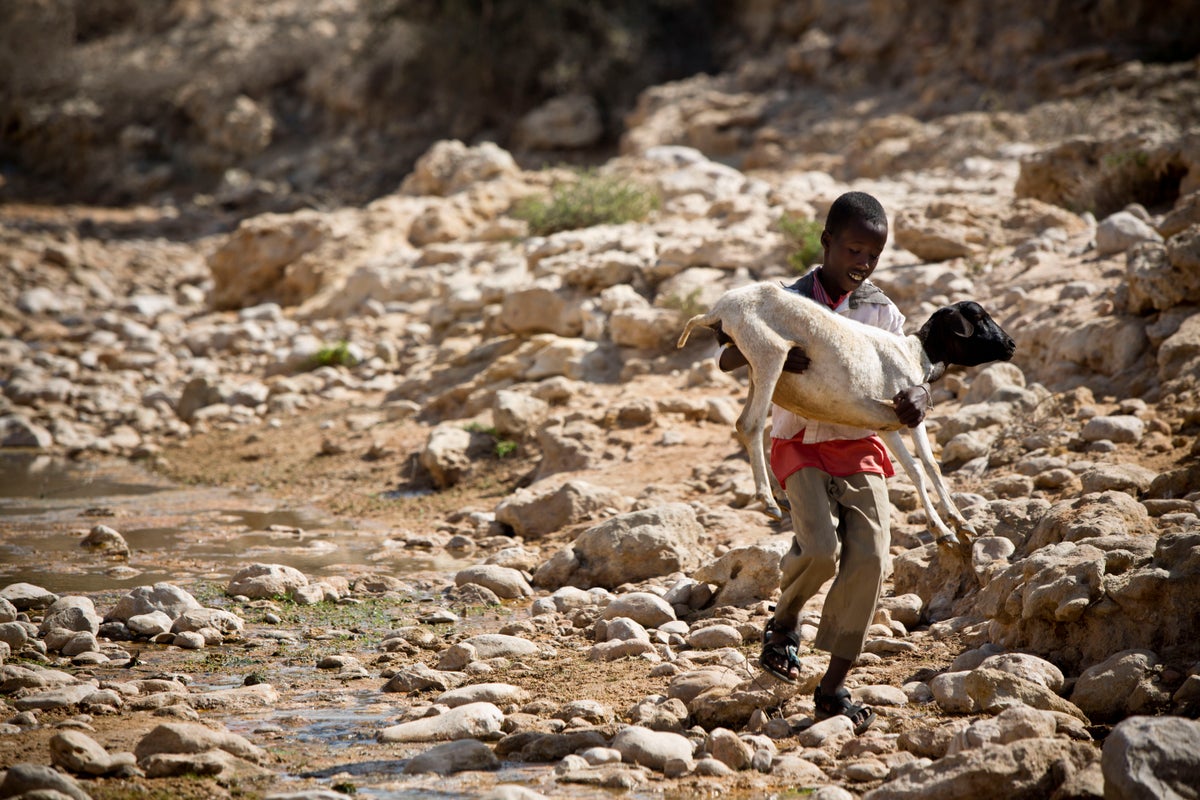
x: 960, y: 325
x: 949, y: 319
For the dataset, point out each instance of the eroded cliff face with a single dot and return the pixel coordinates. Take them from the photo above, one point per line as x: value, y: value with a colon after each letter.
x: 287, y: 104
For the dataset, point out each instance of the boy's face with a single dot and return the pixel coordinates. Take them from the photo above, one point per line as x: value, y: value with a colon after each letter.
x: 851, y: 255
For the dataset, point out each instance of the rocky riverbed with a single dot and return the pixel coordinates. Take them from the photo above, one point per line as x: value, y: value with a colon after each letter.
x: 398, y: 499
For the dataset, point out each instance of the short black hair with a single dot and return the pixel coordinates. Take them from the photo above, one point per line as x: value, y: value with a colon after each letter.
x: 855, y: 206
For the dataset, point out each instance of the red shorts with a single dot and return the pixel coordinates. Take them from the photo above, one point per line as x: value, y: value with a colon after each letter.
x: 837, y: 457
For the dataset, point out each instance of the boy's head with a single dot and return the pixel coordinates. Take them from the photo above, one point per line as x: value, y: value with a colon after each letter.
x: 855, y: 206
x: 856, y: 230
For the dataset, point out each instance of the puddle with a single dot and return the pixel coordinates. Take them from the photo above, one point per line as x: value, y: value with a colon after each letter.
x: 48, y: 479
x: 47, y: 506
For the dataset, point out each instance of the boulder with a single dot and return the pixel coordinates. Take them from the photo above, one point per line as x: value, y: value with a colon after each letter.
x: 627, y: 548
x: 252, y: 265
x: 162, y: 597
x: 744, y: 575
x: 1025, y: 768
x: 534, y: 513
x: 1151, y: 757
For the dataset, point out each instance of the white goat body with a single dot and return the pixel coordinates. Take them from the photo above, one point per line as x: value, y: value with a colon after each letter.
x: 854, y: 371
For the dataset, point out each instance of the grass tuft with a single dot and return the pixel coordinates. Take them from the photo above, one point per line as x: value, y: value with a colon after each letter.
x: 593, y: 199
x: 804, y: 235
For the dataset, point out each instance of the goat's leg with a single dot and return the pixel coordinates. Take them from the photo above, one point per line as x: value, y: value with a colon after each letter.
x: 945, y: 502
x: 752, y: 424
x: 941, y: 533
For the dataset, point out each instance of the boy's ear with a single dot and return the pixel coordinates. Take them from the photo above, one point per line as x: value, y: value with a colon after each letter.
x: 825, y: 238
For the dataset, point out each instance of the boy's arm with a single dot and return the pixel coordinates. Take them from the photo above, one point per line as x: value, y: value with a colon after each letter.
x: 732, y: 358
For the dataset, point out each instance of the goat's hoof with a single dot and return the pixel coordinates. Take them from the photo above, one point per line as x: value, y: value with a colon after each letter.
x: 949, y: 541
x: 772, y: 511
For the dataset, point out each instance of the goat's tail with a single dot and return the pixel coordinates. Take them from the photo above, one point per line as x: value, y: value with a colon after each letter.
x: 707, y: 320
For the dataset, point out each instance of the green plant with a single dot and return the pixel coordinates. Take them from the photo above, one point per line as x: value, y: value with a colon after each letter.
x: 805, y: 236
x: 503, y: 448
x: 1126, y: 158
x: 337, y: 355
x: 593, y: 199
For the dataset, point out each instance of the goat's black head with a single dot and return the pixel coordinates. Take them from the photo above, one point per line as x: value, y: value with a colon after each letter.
x: 964, y: 334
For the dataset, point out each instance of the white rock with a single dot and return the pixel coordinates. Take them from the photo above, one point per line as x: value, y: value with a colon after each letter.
x: 648, y: 610
x: 150, y: 624
x: 1103, y: 690
x: 505, y: 582
x: 25, y: 779
x: 265, y: 581
x: 499, y: 694
x: 484, y: 647
x: 472, y: 721
x: 1029, y: 667
x: 649, y: 748
x: 950, y: 691
x: 1118, y: 232
x: 828, y: 731
x: 1119, y: 428
x: 186, y: 737
x: 1018, y: 722
x: 714, y: 637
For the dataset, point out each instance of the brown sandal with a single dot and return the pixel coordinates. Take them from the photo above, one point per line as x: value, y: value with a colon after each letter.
x: 779, y: 654
x: 840, y: 704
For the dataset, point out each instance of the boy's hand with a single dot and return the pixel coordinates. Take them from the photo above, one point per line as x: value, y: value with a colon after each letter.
x: 911, y: 404
x: 796, y: 361
x: 732, y: 358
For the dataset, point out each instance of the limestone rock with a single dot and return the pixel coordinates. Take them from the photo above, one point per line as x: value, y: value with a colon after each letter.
x: 189, y: 738
x: 744, y: 575
x: 470, y: 721
x: 25, y: 779
x: 1151, y: 757
x: 533, y: 513
x: 265, y: 581
x: 627, y: 548
x: 649, y: 748
x: 452, y: 757
x: 252, y: 265
x: 161, y: 597
x: 1026, y: 768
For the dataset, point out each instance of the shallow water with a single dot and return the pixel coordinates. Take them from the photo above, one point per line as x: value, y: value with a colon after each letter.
x: 48, y: 504
x: 179, y: 533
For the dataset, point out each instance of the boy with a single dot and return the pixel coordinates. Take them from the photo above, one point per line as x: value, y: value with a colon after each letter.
x: 835, y: 476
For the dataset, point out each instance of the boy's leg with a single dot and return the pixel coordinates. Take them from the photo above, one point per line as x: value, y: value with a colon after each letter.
x: 813, y: 557
x: 866, y: 537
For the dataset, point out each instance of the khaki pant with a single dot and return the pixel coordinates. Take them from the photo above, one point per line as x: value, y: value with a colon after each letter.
x: 841, y: 526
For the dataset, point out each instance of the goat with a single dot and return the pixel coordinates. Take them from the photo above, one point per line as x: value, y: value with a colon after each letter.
x: 854, y: 371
